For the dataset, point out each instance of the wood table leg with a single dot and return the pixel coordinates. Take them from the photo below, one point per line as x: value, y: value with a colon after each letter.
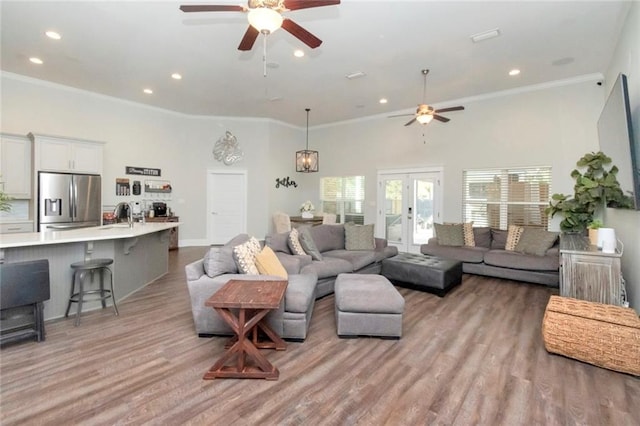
x: 243, y: 347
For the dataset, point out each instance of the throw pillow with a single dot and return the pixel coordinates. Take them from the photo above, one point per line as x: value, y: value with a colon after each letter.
x: 309, y: 246
x: 536, y: 241
x: 449, y: 235
x: 513, y: 236
x: 294, y: 242
x: 467, y: 233
x: 278, y: 242
x: 218, y: 261
x: 245, y: 256
x: 359, y: 237
x: 268, y: 264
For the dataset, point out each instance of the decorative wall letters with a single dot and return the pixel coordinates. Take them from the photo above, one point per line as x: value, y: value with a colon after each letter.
x: 285, y: 182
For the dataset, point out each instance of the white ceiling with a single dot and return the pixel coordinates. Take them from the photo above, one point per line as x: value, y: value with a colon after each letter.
x: 118, y: 48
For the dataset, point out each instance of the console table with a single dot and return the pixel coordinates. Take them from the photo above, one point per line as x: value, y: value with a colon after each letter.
x: 299, y: 220
x: 589, y: 274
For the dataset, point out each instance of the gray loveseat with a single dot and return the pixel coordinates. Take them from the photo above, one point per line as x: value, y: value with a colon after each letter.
x: 330, y: 242
x: 290, y: 321
x: 490, y: 258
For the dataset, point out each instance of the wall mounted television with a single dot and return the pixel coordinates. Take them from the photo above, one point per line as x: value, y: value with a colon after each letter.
x: 617, y: 139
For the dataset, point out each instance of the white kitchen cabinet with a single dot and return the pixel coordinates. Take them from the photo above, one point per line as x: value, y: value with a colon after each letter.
x: 57, y: 154
x: 15, y: 166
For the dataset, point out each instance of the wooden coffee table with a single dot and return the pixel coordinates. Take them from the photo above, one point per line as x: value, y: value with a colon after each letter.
x: 252, y: 300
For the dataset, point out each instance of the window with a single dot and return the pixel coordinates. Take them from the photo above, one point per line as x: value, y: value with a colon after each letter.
x: 502, y: 197
x: 343, y: 196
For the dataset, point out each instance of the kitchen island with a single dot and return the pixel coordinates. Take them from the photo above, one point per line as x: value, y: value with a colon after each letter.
x: 140, y: 255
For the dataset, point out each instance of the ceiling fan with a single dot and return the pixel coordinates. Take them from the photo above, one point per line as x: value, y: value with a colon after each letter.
x: 265, y: 16
x: 425, y: 113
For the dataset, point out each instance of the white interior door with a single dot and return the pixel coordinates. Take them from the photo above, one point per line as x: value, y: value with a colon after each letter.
x: 409, y: 203
x: 226, y: 205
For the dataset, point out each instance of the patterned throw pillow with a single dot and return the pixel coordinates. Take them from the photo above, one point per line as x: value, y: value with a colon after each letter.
x: 359, y: 237
x: 449, y: 235
x: 513, y: 236
x: 268, y: 264
x: 294, y: 242
x: 245, y: 256
x: 467, y: 233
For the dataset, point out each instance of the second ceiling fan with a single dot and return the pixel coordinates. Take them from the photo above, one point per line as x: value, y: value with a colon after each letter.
x: 425, y: 113
x: 265, y: 16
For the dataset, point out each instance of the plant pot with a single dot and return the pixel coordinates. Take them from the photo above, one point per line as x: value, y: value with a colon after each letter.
x: 307, y: 215
x: 593, y: 237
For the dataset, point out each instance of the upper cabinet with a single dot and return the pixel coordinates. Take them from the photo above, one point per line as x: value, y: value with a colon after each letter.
x: 15, y: 166
x: 53, y: 153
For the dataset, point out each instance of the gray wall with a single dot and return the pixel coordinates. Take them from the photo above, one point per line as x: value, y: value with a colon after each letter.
x: 626, y: 59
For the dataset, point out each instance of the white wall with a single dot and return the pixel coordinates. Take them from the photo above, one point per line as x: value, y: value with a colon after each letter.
x: 550, y: 126
x: 626, y: 59
x: 137, y: 135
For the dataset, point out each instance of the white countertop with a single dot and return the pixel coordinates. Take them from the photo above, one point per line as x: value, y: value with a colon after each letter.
x: 106, y: 232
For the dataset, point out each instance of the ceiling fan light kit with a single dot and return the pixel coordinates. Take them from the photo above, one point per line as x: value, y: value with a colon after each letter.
x: 307, y: 160
x: 265, y: 20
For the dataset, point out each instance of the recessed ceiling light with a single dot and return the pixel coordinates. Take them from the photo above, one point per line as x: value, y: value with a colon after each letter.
x: 148, y: 91
x: 53, y: 35
x: 176, y: 76
x: 383, y: 100
x: 485, y: 35
x: 36, y: 60
x: 298, y: 53
x: 514, y: 71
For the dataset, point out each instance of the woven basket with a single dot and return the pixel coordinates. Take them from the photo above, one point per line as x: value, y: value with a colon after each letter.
x: 604, y: 335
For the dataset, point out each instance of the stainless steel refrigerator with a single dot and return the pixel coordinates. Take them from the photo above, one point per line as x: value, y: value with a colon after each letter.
x: 68, y: 201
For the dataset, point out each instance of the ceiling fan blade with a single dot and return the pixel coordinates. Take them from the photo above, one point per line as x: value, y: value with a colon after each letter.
x: 249, y: 39
x: 456, y: 108
x: 302, y: 4
x: 400, y: 115
x: 411, y: 122
x: 303, y: 35
x: 440, y: 118
x: 211, y: 8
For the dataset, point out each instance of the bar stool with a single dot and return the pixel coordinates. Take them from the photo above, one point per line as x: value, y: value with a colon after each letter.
x: 80, y: 271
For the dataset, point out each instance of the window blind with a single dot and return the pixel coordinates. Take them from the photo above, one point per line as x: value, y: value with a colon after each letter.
x: 502, y: 197
x: 343, y: 196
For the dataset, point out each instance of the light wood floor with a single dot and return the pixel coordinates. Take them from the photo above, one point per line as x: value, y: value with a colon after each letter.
x: 473, y: 357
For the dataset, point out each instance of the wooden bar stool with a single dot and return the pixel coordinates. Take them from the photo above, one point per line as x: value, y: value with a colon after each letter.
x: 80, y: 272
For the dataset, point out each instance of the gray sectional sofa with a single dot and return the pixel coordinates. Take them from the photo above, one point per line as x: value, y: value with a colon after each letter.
x: 308, y: 279
x: 490, y: 258
x: 290, y: 321
x: 335, y: 258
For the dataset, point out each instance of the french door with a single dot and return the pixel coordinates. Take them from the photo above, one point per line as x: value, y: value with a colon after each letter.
x: 409, y: 202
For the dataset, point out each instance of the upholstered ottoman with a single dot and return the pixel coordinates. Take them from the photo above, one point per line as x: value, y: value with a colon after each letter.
x: 367, y: 305
x: 422, y: 272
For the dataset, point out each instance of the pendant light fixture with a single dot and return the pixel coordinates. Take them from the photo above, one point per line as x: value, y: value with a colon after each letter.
x: 306, y: 160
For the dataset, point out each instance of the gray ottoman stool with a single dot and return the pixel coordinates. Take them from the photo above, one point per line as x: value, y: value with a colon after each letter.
x: 367, y: 305
x: 422, y: 272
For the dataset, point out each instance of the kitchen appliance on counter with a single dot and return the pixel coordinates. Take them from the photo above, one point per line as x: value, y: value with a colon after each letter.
x: 159, y: 209
x: 68, y: 201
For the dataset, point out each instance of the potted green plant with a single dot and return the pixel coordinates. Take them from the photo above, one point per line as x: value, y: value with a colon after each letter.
x: 593, y: 231
x: 593, y: 188
x: 5, y: 202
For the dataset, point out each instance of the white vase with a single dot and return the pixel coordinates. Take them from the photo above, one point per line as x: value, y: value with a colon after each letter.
x: 307, y: 215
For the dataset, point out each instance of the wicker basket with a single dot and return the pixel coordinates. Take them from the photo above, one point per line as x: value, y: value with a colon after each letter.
x: 604, y: 335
